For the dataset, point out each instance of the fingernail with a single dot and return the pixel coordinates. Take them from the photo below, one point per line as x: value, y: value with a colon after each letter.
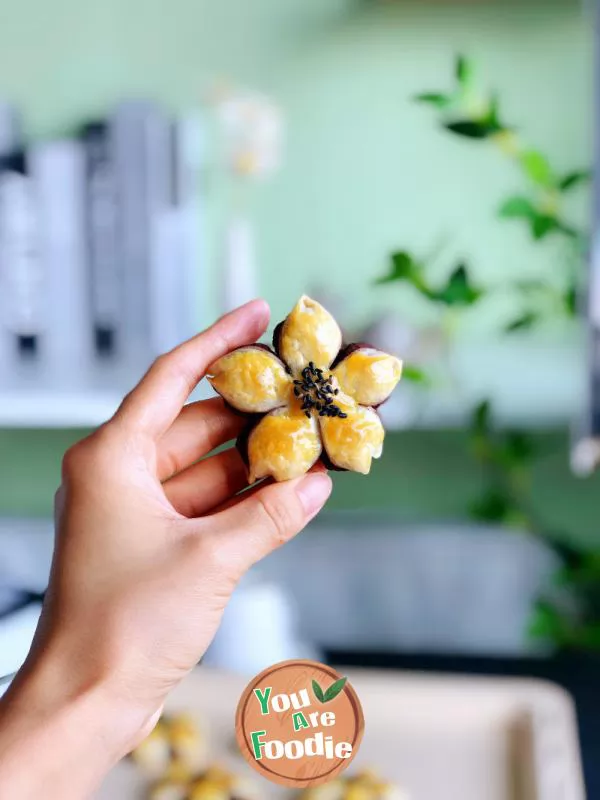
x: 313, y: 491
x: 257, y: 303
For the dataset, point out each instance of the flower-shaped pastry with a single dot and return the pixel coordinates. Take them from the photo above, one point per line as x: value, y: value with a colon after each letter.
x: 316, y: 400
x: 176, y: 748
x: 365, y: 785
x: 214, y: 784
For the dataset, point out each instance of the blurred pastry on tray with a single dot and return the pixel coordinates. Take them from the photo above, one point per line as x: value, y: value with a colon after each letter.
x: 216, y: 783
x: 364, y: 785
x: 176, y: 749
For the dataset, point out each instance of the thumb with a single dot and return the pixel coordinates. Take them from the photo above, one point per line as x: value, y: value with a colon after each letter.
x: 266, y: 518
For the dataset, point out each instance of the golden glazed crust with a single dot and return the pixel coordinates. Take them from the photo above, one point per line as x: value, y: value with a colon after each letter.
x: 309, y: 333
x: 284, y: 444
x: 352, y: 443
x: 251, y: 379
x: 308, y: 408
x: 368, y: 375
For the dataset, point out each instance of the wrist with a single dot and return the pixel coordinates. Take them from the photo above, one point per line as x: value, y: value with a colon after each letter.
x: 68, y: 729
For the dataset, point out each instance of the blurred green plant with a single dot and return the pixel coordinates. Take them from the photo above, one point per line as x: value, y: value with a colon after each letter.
x: 506, y: 458
x: 458, y: 290
x: 467, y: 112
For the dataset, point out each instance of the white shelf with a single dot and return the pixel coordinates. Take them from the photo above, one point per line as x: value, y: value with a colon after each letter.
x: 531, y: 385
x: 56, y: 409
x: 34, y: 399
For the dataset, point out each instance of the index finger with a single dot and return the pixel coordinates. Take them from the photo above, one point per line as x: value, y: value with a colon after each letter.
x: 158, y: 398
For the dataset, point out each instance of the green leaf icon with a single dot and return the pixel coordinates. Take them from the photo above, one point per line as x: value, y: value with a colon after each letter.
x: 318, y: 692
x: 334, y: 689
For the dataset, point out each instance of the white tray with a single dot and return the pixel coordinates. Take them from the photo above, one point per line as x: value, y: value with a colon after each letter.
x: 441, y: 738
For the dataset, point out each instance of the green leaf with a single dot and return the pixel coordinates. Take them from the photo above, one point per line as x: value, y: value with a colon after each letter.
x: 517, y: 206
x: 414, y: 374
x: 518, y: 448
x: 522, y: 323
x: 494, y: 506
x: 570, y: 298
x: 568, y: 230
x: 547, y: 623
x: 458, y: 291
x: 537, y: 167
x: 434, y: 99
x: 318, y: 692
x: 493, y: 114
x: 403, y: 267
x: 542, y: 225
x: 471, y: 129
x: 587, y: 636
x: 573, y: 179
x: 463, y: 70
x: 334, y: 689
x: 481, y: 418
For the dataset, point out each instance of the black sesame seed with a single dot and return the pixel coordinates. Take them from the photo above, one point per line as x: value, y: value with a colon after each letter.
x: 307, y: 413
x: 336, y: 391
x: 342, y: 415
x: 296, y: 391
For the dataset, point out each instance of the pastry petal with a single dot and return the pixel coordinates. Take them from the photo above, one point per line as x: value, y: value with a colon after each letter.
x: 284, y: 444
x: 251, y: 379
x: 308, y: 333
x: 352, y: 442
x: 368, y: 375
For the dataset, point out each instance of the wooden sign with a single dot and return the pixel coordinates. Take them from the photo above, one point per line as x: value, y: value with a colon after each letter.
x: 299, y: 723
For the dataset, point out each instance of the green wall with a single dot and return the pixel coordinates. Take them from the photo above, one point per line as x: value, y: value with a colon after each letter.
x: 421, y: 476
x: 365, y: 170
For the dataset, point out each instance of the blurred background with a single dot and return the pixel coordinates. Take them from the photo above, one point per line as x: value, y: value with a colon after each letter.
x: 423, y: 169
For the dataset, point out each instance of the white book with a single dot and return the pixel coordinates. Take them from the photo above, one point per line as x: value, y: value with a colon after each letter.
x: 142, y: 158
x: 58, y: 174
x: 167, y: 288
x: 10, y: 138
x: 177, y: 262
x: 191, y: 168
x: 102, y: 235
x: 21, y: 273
x: 239, y: 274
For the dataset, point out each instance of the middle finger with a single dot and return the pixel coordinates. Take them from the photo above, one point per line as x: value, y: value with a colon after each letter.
x: 199, y: 428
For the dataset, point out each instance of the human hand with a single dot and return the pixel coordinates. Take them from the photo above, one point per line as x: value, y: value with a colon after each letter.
x: 150, y: 545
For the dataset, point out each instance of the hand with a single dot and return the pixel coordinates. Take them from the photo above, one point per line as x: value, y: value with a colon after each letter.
x: 150, y: 544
